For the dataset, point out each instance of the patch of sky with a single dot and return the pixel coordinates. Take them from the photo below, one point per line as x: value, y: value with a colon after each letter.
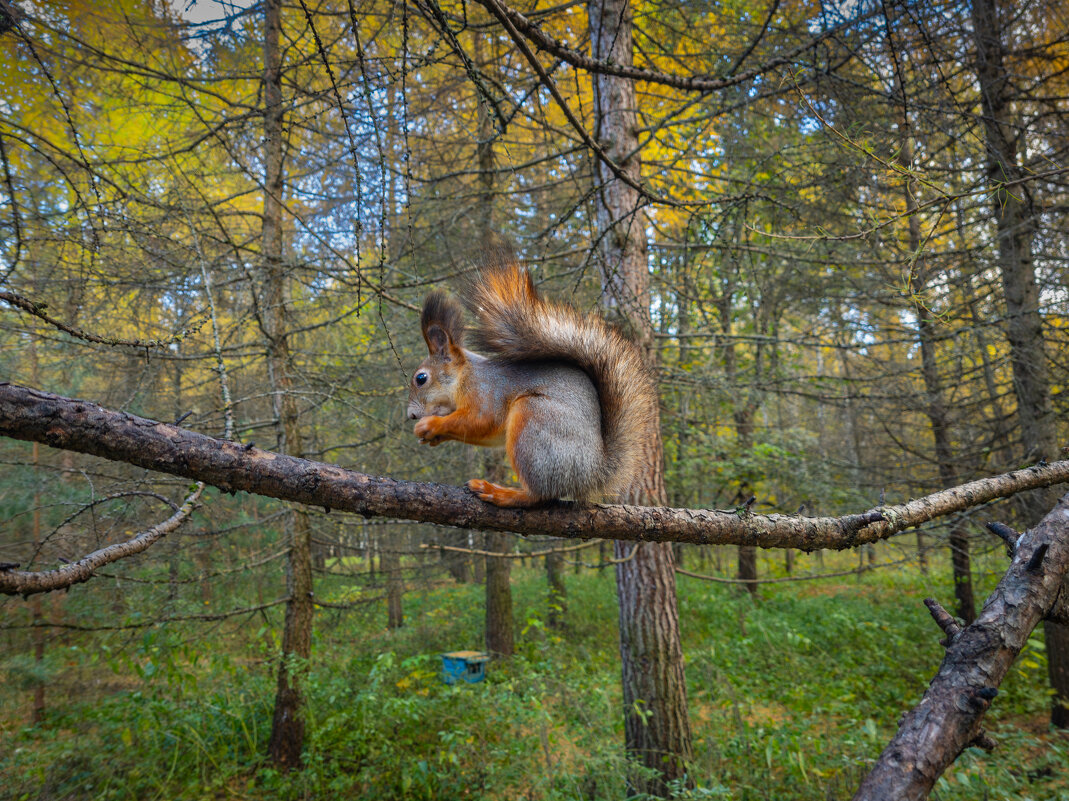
x: 207, y: 21
x: 837, y: 12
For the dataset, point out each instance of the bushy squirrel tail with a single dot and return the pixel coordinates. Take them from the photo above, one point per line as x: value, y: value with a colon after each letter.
x: 516, y: 324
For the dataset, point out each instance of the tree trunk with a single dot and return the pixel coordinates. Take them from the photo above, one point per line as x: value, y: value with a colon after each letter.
x: 478, y: 561
x: 1015, y: 217
x: 287, y: 730
x: 935, y: 406
x: 38, y: 633
x: 391, y: 566
x: 485, y: 159
x: 742, y: 415
x: 557, y: 590
x: 656, y: 728
x: 499, y: 629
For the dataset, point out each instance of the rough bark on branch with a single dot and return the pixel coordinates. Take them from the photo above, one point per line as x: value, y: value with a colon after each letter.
x: 21, y: 582
x: 948, y: 718
x: 83, y: 426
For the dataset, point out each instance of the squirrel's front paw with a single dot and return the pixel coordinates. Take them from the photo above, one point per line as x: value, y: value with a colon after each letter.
x: 428, y: 430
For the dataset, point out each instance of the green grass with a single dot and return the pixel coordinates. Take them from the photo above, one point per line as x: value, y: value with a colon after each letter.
x: 790, y: 697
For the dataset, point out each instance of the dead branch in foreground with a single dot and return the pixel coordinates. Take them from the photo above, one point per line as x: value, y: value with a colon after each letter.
x: 82, y: 426
x: 948, y: 717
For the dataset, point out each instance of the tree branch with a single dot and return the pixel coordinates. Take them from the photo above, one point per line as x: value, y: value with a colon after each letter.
x: 21, y: 582
x: 500, y: 12
x: 948, y: 718
x: 697, y: 83
x: 516, y: 555
x: 38, y: 310
x: 82, y: 426
x: 206, y: 617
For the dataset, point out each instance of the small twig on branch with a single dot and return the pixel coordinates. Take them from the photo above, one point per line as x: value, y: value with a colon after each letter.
x: 949, y: 716
x: 21, y: 582
x: 1059, y: 611
x: 943, y: 619
x: 1006, y: 534
x: 983, y: 741
x: 1036, y: 559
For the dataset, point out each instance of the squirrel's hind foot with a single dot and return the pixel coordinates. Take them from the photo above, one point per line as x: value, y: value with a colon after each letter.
x: 508, y: 497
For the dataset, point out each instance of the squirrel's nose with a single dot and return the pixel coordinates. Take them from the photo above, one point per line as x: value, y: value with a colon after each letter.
x: 412, y: 415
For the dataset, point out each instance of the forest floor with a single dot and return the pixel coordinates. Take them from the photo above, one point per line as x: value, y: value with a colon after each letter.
x: 791, y: 696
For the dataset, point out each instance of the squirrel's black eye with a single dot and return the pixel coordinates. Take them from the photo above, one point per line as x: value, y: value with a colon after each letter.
x: 421, y: 379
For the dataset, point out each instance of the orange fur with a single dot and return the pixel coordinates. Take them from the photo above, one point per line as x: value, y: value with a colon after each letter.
x: 462, y: 426
x: 507, y: 497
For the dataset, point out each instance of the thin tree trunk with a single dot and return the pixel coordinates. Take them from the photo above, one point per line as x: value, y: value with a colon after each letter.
x: 391, y: 566
x: 457, y: 564
x: 485, y: 158
x: 1015, y: 217
x: 743, y: 418
x: 478, y: 561
x: 557, y: 591
x: 499, y: 626
x: 935, y: 406
x: 287, y: 730
x: 656, y: 727
x: 38, y: 714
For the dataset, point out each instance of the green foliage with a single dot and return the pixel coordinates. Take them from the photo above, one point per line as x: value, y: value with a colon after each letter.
x: 791, y: 698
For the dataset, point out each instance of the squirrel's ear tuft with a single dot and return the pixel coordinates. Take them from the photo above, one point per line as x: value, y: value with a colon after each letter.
x: 442, y: 321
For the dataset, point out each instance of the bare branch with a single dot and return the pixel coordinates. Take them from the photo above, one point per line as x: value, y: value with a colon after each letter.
x: 21, y: 582
x: 499, y: 11
x: 85, y: 427
x: 854, y: 571
x: 1006, y: 534
x: 697, y: 83
x: 38, y: 310
x: 951, y: 628
x: 206, y: 617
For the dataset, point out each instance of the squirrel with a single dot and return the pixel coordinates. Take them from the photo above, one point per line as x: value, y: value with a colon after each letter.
x: 569, y: 397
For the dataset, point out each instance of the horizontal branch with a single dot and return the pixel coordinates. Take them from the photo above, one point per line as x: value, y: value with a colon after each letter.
x: 696, y: 83
x: 854, y: 571
x: 514, y: 555
x: 203, y: 617
x: 38, y: 310
x: 22, y: 582
x: 978, y: 657
x: 85, y: 427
